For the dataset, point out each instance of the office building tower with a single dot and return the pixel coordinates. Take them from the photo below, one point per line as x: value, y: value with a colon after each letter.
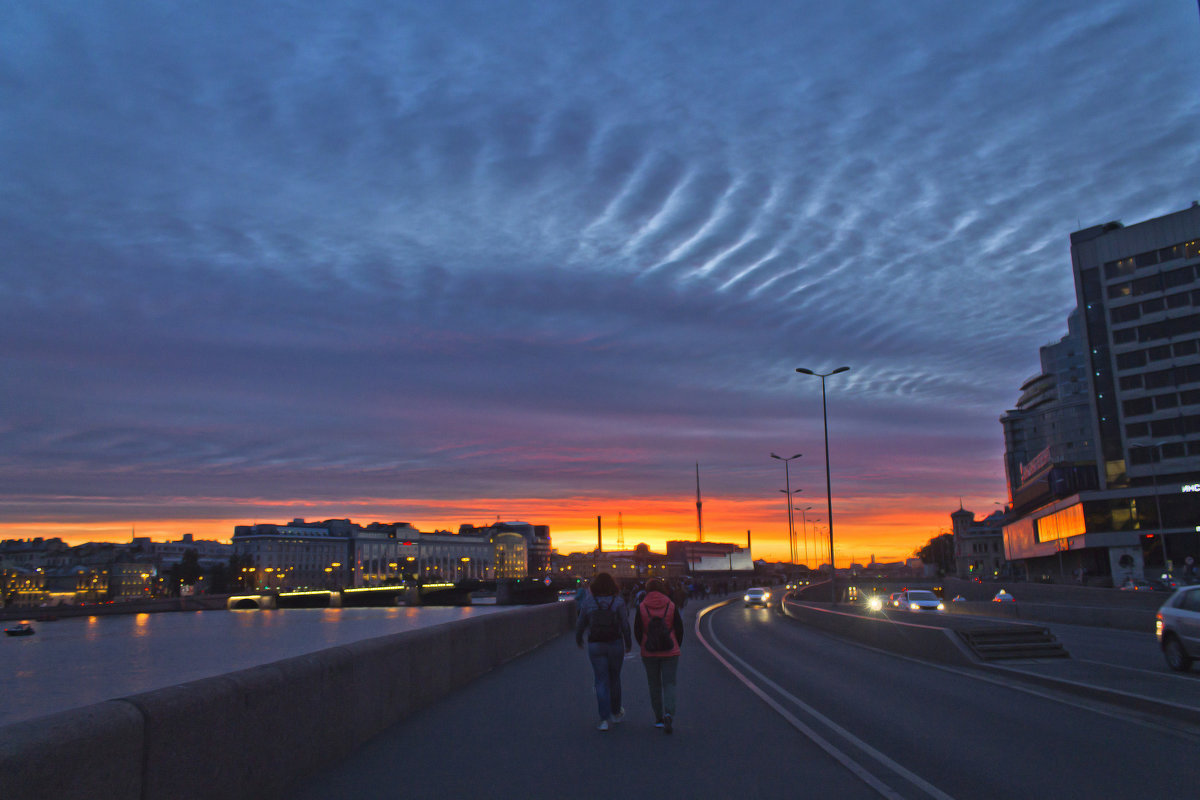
x: 1127, y: 503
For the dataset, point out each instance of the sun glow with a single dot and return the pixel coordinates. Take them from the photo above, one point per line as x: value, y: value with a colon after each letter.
x: 863, y: 527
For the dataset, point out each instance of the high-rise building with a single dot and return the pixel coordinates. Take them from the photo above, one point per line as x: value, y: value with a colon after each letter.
x: 1127, y: 502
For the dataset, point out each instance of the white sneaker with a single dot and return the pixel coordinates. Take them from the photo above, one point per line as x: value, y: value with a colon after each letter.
x: 603, y: 726
x: 620, y: 715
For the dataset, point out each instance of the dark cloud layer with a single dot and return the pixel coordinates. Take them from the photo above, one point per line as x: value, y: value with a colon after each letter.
x: 478, y: 249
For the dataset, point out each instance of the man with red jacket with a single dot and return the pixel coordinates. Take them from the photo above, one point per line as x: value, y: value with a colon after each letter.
x: 660, y: 664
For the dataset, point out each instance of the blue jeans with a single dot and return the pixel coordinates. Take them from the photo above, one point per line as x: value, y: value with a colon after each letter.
x: 607, y: 658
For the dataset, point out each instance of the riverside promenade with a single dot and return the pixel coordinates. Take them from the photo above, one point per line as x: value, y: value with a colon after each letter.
x: 528, y: 728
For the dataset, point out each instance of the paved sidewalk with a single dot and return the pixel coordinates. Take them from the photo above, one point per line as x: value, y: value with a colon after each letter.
x: 528, y: 729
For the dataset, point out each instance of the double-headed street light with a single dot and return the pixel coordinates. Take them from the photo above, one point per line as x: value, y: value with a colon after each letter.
x: 828, y: 486
x: 787, y: 482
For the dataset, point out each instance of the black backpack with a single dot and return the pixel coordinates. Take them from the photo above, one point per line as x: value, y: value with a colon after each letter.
x: 603, y: 624
x: 658, y: 633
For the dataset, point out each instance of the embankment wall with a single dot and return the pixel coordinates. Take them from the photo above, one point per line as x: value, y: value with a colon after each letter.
x: 254, y: 733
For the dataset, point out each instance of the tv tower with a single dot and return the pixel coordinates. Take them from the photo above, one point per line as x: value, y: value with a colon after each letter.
x: 699, y: 517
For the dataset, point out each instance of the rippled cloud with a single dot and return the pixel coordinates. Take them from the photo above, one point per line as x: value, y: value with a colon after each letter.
x: 476, y: 250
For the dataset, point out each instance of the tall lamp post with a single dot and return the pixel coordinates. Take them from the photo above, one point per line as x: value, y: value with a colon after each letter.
x: 828, y: 486
x: 804, y: 527
x: 787, y: 481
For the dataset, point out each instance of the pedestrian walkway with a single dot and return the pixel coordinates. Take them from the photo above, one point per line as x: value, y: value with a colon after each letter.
x: 528, y: 728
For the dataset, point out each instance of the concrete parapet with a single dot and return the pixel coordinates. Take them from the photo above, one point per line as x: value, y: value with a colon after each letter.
x: 89, y: 752
x: 1129, y: 619
x: 919, y: 641
x: 255, y: 732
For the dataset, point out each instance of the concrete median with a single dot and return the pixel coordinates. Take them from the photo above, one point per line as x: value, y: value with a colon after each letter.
x: 254, y: 733
x: 919, y: 641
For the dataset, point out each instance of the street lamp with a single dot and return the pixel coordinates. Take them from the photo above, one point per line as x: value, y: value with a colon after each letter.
x: 804, y: 523
x: 828, y: 485
x: 787, y: 481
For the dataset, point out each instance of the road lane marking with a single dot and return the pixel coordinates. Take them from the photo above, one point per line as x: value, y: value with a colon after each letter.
x: 1100, y: 706
x: 847, y: 761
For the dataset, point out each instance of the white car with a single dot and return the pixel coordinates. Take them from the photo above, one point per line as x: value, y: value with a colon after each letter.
x: 756, y: 597
x: 1177, y: 626
x: 921, y: 600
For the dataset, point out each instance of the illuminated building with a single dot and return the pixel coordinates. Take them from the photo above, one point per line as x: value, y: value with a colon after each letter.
x: 537, y: 542
x: 1118, y: 503
x: 511, y: 555
x: 333, y: 554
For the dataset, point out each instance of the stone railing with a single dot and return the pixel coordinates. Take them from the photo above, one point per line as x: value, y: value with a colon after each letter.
x: 256, y: 732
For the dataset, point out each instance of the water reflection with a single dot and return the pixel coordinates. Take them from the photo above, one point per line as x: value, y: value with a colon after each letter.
x: 82, y: 660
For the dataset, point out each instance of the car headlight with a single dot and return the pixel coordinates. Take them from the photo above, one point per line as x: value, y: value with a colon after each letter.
x: 913, y: 607
x: 875, y: 604
x: 941, y: 606
x: 767, y: 596
x: 746, y: 597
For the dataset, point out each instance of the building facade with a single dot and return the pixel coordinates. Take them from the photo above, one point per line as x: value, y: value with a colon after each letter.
x: 978, y: 545
x: 1132, y: 507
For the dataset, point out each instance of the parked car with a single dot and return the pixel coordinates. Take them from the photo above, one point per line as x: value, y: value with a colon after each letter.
x: 1164, y: 584
x: 921, y: 600
x: 1177, y: 626
x: 757, y: 597
x: 1136, y: 585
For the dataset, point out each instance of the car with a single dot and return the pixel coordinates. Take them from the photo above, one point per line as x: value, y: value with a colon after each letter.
x: 757, y: 597
x: 1003, y: 597
x: 875, y: 603
x: 1136, y: 585
x: 921, y: 600
x: 1177, y: 627
x: 1167, y: 584
x: 894, y: 599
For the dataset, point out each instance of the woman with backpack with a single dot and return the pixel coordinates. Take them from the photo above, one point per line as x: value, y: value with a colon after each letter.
x: 603, y: 616
x: 659, y: 628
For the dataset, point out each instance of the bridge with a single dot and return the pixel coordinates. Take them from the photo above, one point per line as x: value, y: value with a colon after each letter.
x: 799, y: 699
x: 510, y: 592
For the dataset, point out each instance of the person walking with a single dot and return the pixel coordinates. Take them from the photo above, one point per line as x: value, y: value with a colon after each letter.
x: 658, y: 628
x: 605, y: 620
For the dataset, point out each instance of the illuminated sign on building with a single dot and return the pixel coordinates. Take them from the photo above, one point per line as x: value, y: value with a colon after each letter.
x: 1036, y: 465
x: 1190, y: 487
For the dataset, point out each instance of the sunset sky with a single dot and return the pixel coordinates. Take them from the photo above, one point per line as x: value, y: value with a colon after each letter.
x: 451, y: 262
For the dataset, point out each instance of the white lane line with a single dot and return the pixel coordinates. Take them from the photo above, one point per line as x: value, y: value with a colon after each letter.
x: 1102, y: 707
x: 859, y: 770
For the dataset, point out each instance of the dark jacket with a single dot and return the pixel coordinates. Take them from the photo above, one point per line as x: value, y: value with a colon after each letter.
x: 659, y: 605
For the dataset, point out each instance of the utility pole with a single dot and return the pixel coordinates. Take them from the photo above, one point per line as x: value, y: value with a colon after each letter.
x: 699, y: 518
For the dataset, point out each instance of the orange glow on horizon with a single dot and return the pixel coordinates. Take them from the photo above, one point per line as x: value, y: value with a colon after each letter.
x: 863, y: 527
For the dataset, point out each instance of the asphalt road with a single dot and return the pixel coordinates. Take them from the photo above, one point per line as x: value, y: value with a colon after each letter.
x: 775, y: 709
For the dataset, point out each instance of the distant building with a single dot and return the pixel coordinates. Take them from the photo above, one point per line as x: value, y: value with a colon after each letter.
x: 537, y: 542
x: 696, y: 558
x: 1125, y: 500
x: 338, y: 553
x: 978, y: 545
x: 164, y: 555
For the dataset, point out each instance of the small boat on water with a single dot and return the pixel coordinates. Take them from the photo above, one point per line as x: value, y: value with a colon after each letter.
x: 24, y: 629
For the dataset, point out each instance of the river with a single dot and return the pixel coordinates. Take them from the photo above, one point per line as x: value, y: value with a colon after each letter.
x: 78, y: 661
